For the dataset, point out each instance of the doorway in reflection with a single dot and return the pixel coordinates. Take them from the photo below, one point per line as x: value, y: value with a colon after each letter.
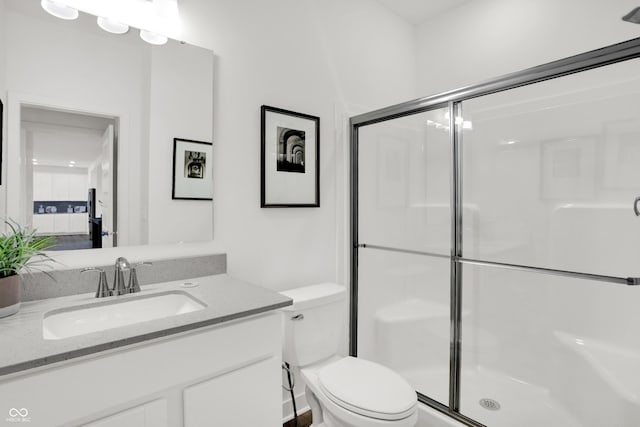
x: 70, y: 178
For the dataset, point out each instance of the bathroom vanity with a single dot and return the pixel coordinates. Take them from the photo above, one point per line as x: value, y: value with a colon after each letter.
x: 201, y: 368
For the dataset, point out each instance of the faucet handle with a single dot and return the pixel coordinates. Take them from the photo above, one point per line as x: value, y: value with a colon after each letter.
x: 103, y: 286
x: 133, y: 285
x: 122, y: 264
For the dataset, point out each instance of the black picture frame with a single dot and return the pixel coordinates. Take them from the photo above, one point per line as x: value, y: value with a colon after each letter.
x: 192, y: 170
x: 277, y: 163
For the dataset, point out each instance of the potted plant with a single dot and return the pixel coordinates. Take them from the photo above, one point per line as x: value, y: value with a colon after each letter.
x: 21, y: 251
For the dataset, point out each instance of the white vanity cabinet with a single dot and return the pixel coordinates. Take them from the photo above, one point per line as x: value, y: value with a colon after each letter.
x: 220, y: 375
x: 63, y: 223
x: 148, y: 414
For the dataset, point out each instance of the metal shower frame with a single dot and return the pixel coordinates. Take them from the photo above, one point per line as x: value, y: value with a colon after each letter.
x: 452, y: 100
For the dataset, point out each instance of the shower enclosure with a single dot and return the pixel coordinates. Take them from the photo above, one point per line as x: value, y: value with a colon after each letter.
x: 496, y: 244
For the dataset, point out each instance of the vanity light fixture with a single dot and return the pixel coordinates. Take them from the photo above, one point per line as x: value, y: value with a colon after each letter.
x: 59, y: 10
x: 153, y: 38
x: 111, y: 26
x: 147, y: 13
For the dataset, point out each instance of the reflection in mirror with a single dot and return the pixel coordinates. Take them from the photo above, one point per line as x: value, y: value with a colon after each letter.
x: 75, y: 93
x: 72, y: 179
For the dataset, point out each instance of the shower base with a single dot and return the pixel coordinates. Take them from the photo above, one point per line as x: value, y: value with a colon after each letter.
x: 520, y: 404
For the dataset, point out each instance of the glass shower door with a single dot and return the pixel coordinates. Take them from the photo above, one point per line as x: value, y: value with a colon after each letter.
x: 404, y: 226
x: 552, y: 170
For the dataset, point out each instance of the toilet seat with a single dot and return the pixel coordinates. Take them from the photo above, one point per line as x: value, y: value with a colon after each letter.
x: 368, y: 389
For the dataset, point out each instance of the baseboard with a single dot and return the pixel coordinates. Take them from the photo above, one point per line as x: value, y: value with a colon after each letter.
x: 287, y: 407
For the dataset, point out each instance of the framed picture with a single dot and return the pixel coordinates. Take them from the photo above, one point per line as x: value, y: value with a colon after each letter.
x: 192, y: 170
x: 290, y: 159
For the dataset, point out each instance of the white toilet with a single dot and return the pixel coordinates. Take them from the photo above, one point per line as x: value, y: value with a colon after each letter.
x: 341, y: 391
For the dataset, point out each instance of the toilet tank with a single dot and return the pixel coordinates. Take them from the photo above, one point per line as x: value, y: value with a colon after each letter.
x: 314, y: 324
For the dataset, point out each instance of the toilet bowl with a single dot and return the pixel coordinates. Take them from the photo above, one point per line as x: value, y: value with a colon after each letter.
x: 341, y: 391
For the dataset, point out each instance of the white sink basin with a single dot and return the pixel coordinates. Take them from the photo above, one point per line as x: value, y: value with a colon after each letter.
x: 65, y: 323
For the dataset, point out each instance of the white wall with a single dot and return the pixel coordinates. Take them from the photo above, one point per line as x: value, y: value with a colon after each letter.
x: 314, y: 57
x: 481, y: 39
x: 371, y: 53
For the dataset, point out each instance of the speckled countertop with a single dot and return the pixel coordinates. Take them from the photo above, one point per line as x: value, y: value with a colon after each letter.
x: 23, y: 345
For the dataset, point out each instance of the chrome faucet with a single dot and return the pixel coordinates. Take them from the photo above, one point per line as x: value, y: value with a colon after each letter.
x: 119, y: 287
x: 103, y: 287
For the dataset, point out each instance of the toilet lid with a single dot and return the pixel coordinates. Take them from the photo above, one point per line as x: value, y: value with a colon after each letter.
x: 368, y: 389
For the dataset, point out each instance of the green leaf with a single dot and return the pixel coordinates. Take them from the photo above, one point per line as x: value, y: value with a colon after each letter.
x: 22, y: 251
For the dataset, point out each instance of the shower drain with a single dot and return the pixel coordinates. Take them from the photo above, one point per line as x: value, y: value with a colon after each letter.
x: 489, y: 404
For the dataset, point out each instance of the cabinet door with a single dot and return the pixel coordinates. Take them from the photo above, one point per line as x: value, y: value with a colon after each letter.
x: 42, y: 186
x: 60, y: 186
x: 223, y: 401
x: 78, y: 187
x: 152, y: 414
x: 43, y: 223
x: 79, y: 223
x: 61, y: 223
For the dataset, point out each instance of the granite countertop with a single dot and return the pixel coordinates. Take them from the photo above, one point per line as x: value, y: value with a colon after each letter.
x: 24, y: 346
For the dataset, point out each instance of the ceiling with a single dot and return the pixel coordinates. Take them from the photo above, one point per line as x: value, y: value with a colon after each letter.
x: 63, y: 118
x: 64, y: 136
x: 418, y: 11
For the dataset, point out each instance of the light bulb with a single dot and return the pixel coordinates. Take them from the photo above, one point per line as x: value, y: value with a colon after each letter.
x: 59, y: 10
x: 153, y: 38
x: 112, y: 26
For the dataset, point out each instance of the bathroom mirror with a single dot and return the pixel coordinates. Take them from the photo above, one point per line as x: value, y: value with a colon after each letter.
x: 90, y: 122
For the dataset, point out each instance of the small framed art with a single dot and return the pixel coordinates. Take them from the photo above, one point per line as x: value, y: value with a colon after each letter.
x: 290, y: 159
x: 192, y: 170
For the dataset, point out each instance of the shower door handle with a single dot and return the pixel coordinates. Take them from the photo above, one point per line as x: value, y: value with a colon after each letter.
x: 635, y: 206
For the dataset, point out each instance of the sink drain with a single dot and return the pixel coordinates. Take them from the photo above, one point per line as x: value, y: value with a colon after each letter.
x: 489, y: 404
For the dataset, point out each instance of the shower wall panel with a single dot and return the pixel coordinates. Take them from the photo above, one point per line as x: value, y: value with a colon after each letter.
x: 553, y: 169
